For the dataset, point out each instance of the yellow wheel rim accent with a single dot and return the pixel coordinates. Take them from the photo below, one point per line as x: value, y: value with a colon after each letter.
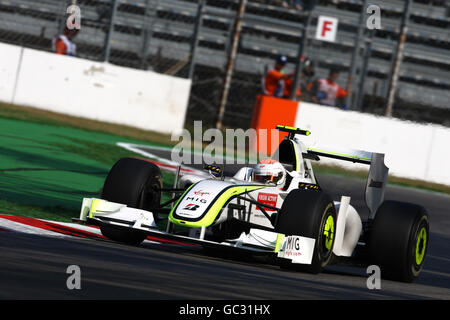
x: 421, y: 245
x: 328, y: 232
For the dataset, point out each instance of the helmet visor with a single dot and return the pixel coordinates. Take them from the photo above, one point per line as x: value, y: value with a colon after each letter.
x: 267, y: 178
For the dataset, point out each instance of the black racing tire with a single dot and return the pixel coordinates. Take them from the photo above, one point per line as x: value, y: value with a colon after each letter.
x: 398, y: 240
x: 309, y: 214
x: 136, y: 183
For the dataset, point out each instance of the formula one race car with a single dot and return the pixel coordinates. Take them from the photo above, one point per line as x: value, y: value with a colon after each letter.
x: 277, y: 209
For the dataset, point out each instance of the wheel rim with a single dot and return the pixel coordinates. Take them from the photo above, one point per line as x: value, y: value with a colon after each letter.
x: 421, y: 245
x: 328, y: 234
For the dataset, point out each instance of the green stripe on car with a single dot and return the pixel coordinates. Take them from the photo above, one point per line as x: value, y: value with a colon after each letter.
x: 214, y: 210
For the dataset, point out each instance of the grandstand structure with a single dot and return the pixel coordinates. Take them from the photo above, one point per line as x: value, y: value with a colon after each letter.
x: 162, y: 35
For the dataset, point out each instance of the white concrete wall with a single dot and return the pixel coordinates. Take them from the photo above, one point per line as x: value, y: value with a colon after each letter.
x: 9, y: 66
x: 98, y: 91
x: 412, y: 150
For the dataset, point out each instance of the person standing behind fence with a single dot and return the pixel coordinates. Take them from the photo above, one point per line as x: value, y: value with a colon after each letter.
x: 273, y: 82
x: 327, y: 91
x: 288, y: 83
x: 64, y: 45
x: 305, y: 77
x: 297, y: 4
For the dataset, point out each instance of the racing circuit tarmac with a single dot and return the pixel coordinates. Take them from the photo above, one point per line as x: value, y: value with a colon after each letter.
x: 34, y: 266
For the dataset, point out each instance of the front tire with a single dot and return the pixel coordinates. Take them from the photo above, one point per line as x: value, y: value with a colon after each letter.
x: 309, y: 214
x: 135, y: 183
x: 398, y: 240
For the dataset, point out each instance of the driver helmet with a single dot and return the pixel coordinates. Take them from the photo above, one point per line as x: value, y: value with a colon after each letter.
x: 269, y: 171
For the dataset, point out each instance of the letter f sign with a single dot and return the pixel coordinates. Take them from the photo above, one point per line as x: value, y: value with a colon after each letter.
x: 327, y: 29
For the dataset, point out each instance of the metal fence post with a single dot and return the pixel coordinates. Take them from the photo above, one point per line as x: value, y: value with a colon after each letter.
x: 230, y: 63
x: 362, y: 81
x: 147, y: 32
x: 107, y: 50
x: 195, y: 37
x: 61, y: 17
x: 356, y: 54
x: 300, y: 53
x: 393, y: 81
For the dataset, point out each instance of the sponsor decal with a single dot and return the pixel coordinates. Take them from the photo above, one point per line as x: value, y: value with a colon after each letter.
x: 267, y: 198
x: 201, y: 193
x: 308, y: 186
x: 196, y: 199
x: 298, y: 249
x: 191, y: 207
x: 375, y: 184
x: 292, y: 248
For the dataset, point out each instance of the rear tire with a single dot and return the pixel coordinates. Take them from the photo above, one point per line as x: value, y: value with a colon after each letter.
x: 135, y: 183
x: 309, y: 214
x: 398, y: 240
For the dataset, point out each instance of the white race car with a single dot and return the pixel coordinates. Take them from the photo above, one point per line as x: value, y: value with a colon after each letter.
x: 276, y: 208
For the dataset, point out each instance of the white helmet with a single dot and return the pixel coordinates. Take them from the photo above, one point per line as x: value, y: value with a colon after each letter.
x: 269, y: 171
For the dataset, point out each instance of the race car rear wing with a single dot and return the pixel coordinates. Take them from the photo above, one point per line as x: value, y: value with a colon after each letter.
x: 356, y: 156
x: 378, y: 172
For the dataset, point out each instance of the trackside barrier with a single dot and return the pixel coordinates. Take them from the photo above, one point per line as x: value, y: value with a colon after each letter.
x: 416, y: 151
x: 9, y: 67
x: 413, y: 150
x: 268, y: 113
x: 98, y: 91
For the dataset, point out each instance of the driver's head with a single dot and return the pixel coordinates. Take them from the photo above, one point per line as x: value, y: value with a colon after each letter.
x: 269, y: 171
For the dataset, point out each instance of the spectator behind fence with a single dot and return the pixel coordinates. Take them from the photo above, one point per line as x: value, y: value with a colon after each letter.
x: 273, y: 83
x: 327, y: 91
x: 288, y: 87
x: 64, y: 45
x: 305, y: 78
x: 297, y: 4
